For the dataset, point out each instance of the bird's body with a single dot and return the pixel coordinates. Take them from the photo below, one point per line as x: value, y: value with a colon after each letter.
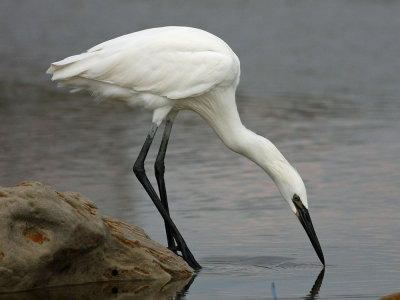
x: 169, y: 69
x: 156, y: 68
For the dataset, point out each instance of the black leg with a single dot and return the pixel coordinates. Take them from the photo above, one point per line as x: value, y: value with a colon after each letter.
x: 159, y: 168
x: 138, y: 169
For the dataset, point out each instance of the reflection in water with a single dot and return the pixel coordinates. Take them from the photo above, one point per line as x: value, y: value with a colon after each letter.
x: 109, y: 290
x: 316, y: 287
x: 184, y: 291
x: 313, y: 294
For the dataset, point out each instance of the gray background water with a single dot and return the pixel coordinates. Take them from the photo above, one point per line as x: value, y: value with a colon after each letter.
x: 319, y: 78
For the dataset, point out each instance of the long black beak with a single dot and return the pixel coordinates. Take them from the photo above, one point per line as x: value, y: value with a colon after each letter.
x: 305, y: 220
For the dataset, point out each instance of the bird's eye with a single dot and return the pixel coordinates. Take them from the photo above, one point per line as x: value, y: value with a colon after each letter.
x: 297, y: 201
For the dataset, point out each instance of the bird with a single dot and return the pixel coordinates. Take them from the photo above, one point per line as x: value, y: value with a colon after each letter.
x: 173, y: 68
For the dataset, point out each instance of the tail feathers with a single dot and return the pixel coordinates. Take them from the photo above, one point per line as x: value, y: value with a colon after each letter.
x: 70, y: 66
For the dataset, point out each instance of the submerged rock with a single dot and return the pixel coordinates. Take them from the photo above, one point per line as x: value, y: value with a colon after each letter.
x: 48, y: 238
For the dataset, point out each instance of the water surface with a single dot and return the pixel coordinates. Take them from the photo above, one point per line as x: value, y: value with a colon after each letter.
x: 319, y: 79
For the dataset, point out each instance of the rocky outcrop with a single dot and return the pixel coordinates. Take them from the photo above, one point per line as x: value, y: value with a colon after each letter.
x: 48, y: 238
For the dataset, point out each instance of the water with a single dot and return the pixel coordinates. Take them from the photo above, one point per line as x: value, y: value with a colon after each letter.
x: 319, y: 79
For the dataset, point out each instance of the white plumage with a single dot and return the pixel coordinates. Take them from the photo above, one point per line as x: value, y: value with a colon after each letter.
x: 166, y: 70
x: 153, y: 67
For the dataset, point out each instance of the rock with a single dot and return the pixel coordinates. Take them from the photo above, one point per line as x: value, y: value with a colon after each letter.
x: 48, y: 238
x: 392, y: 297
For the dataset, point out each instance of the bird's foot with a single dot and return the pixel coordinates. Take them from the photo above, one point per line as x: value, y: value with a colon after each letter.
x: 191, y: 261
x: 186, y: 255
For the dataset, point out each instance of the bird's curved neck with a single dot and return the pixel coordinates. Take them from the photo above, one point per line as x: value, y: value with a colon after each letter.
x: 221, y: 114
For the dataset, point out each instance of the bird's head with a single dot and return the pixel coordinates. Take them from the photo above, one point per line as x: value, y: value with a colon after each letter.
x: 293, y: 190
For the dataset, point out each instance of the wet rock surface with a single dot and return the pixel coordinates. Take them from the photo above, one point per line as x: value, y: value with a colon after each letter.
x: 49, y: 238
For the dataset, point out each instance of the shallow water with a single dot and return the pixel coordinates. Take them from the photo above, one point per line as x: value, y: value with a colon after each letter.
x: 319, y: 79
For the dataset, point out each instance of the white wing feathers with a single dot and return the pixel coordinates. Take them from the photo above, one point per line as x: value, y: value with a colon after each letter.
x: 173, y: 62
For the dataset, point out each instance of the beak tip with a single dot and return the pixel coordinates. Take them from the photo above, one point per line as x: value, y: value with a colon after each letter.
x: 305, y: 220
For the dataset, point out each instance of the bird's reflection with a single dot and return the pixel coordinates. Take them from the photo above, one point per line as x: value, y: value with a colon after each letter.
x: 152, y: 289
x: 313, y: 294
x: 176, y: 290
x: 184, y: 291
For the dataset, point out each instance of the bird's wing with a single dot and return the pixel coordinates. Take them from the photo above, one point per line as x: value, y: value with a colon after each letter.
x: 175, y: 64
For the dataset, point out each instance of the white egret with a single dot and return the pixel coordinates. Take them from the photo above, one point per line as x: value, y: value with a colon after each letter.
x: 169, y: 69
